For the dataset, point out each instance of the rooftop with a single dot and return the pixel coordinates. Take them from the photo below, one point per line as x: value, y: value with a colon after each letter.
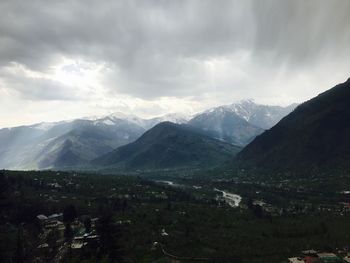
x: 295, y: 260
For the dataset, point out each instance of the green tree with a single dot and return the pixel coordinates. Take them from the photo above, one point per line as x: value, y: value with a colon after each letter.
x: 19, y: 257
x: 52, y: 237
x: 69, y: 213
x: 4, y: 185
x: 68, y: 231
x: 87, y: 224
x: 109, y: 237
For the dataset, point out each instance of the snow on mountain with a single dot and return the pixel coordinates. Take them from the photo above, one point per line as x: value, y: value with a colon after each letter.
x: 177, y: 118
x: 240, y: 122
x: 263, y: 116
x: 58, y: 144
x: 259, y: 115
x: 224, y: 124
x: 50, y: 144
x: 44, y: 126
x: 151, y: 122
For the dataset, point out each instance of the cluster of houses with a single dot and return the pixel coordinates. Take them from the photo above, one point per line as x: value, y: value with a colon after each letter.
x: 51, y: 223
x: 54, y: 223
x: 312, y: 256
x: 340, y: 209
x: 83, y: 238
x: 268, y: 208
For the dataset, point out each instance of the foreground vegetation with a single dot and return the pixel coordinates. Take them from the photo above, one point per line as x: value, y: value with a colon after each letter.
x: 143, y: 220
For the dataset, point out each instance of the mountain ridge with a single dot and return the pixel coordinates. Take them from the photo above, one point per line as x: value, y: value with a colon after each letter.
x: 314, y: 137
x: 169, y: 145
x: 239, y: 123
x: 37, y: 146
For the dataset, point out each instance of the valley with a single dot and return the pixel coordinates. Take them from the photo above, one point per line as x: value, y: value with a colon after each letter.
x: 190, y: 219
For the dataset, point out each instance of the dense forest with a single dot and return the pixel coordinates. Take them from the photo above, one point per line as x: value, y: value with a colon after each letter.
x: 133, y: 219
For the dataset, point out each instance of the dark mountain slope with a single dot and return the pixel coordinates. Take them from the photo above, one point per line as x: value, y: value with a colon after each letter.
x: 169, y: 145
x: 314, y: 137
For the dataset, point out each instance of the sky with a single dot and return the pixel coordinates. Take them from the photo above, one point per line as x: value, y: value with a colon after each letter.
x: 69, y: 59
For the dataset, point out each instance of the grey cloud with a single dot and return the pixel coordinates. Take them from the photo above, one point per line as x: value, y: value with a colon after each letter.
x: 300, y: 32
x: 36, y: 89
x: 152, y: 46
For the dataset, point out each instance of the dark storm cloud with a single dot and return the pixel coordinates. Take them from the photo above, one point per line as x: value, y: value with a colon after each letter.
x: 301, y: 31
x: 159, y: 48
x: 123, y: 32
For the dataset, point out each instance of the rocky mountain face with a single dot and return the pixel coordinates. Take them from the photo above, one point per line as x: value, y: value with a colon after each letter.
x: 262, y: 116
x: 224, y: 124
x: 241, y: 122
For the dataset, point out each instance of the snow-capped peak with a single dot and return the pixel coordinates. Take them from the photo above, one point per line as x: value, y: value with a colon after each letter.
x: 173, y: 117
x: 123, y: 116
x: 44, y: 125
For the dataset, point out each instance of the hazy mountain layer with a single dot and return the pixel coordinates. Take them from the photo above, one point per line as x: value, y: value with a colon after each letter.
x: 75, y: 142
x: 59, y: 144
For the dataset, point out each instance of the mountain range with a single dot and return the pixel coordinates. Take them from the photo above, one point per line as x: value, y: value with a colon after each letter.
x: 77, y: 142
x: 310, y: 137
x: 49, y: 145
x: 239, y: 123
x: 314, y: 138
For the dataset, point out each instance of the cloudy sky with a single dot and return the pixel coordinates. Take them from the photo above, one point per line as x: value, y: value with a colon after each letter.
x: 67, y: 59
